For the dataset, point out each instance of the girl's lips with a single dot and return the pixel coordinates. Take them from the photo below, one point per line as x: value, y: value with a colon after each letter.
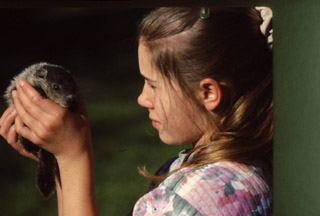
x: 155, y: 124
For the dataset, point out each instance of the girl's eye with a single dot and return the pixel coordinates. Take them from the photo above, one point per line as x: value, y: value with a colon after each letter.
x: 152, y: 86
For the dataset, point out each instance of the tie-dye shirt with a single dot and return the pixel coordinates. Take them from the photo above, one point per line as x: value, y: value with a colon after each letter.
x: 219, y: 189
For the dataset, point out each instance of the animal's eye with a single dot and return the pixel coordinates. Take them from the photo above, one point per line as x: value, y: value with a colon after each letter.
x: 56, y: 87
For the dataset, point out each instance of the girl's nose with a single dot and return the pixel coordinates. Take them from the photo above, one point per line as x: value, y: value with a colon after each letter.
x: 144, y: 99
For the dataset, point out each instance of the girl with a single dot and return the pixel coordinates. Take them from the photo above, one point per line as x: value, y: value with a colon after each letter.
x: 208, y: 81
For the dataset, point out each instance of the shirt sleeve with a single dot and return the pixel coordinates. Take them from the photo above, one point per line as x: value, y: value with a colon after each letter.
x: 218, y: 189
x: 162, y: 202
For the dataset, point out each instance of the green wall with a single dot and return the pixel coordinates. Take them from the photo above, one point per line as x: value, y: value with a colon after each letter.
x: 297, y: 105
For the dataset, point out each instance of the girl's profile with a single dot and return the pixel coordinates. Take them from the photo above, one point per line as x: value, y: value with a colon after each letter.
x: 207, y: 82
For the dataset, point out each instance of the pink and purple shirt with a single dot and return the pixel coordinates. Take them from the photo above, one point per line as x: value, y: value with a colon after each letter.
x: 219, y: 189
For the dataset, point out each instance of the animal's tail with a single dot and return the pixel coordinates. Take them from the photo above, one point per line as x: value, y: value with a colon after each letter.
x: 45, y: 178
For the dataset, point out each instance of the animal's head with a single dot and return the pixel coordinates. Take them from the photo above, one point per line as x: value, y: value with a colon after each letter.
x: 57, y: 84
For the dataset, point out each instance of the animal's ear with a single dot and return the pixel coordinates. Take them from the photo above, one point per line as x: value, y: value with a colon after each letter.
x: 42, y: 73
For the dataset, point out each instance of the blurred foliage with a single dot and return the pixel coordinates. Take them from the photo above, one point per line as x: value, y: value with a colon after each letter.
x: 99, y: 46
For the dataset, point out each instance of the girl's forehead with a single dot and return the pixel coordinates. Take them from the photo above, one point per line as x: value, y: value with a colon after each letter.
x: 150, y: 72
x: 147, y: 69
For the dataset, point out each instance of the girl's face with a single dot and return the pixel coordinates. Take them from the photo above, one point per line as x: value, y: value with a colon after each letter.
x: 173, y: 117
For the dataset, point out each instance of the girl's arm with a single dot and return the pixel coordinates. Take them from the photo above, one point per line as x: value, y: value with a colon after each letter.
x: 67, y: 185
x: 59, y: 194
x: 78, y: 193
x: 66, y: 135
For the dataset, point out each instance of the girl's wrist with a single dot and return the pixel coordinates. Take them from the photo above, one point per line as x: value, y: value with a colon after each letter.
x: 67, y: 161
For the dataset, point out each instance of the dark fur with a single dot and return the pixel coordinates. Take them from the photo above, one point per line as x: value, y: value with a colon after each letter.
x: 57, y: 84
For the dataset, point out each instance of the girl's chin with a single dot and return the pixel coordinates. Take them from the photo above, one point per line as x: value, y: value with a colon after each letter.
x: 173, y: 139
x: 170, y: 140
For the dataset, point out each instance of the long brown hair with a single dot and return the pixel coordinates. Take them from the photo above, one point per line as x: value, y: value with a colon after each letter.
x: 229, y: 48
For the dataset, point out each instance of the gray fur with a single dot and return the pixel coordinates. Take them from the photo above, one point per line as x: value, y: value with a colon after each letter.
x: 57, y: 84
x: 42, y: 77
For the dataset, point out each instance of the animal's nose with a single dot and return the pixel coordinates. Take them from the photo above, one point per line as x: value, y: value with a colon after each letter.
x: 72, y: 102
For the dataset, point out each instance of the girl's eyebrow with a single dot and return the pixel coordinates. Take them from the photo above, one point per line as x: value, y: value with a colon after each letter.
x: 146, y: 78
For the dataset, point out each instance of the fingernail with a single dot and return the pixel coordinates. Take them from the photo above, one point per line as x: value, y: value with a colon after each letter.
x: 21, y: 83
x: 14, y: 93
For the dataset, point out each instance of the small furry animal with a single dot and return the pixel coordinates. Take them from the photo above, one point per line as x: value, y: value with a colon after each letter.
x: 57, y: 84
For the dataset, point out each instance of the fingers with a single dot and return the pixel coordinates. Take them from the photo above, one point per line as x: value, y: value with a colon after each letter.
x: 21, y: 110
x: 6, y: 121
x: 25, y: 131
x: 38, y: 119
x: 36, y: 112
x: 5, y: 114
x: 31, y: 117
x: 29, y: 97
x: 8, y: 132
x: 12, y: 135
x: 16, y: 145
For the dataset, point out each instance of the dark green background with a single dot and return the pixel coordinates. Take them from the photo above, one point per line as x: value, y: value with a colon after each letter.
x: 100, y: 50
x: 99, y: 46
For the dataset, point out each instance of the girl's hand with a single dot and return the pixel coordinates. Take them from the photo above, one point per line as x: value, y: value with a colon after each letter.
x: 8, y: 132
x: 63, y: 133
x: 48, y: 125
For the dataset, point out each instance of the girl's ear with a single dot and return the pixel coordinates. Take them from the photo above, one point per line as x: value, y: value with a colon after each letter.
x: 210, y: 93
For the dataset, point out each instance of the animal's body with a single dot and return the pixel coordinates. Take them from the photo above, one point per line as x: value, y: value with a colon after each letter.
x: 57, y: 84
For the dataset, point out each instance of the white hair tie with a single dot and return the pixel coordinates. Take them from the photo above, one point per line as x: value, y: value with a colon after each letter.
x: 266, y: 26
